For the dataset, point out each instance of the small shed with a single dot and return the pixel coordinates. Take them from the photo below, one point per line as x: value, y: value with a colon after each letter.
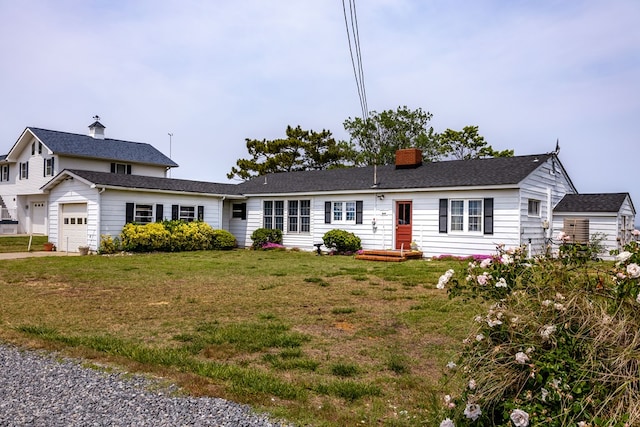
x: 609, y: 217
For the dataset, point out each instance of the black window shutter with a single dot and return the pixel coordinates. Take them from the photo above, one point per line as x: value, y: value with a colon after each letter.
x: 53, y: 159
x: 327, y: 212
x: 44, y: 167
x: 129, y: 214
x: 243, y: 210
x: 175, y: 209
x: 128, y: 169
x: 113, y: 168
x: 358, y: 211
x: 159, y: 213
x: 200, y: 213
x: 488, y: 215
x: 443, y: 215
x: 27, y: 170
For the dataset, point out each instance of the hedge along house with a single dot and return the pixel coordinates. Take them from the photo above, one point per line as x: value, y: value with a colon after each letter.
x: 608, y: 217
x: 461, y: 207
x: 86, y: 205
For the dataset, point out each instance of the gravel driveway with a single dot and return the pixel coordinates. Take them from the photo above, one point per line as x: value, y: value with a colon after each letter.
x: 39, y: 389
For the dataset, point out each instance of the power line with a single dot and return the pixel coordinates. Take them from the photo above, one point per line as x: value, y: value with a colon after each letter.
x: 356, y: 61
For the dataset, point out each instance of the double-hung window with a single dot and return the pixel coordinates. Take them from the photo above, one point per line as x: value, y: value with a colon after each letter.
x: 533, y: 207
x: 24, y: 170
x: 121, y: 168
x: 143, y: 214
x: 344, y: 212
x: 187, y: 213
x: 273, y: 214
x: 4, y: 173
x: 299, y: 216
x: 466, y: 215
x: 48, y: 167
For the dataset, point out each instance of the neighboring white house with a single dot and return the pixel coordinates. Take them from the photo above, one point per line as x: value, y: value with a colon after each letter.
x: 77, y: 188
x: 608, y: 217
x: 85, y: 205
x: 39, y: 155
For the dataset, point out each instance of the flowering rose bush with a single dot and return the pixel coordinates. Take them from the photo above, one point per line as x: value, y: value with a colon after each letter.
x: 558, y: 344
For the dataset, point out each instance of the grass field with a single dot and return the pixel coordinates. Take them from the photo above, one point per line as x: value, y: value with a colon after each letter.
x: 21, y: 243
x: 323, y: 341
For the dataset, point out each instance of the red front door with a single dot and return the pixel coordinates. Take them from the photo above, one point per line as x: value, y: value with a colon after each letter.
x: 403, y: 225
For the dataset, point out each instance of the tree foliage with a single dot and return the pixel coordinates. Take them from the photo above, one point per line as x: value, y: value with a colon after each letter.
x: 299, y: 150
x: 467, y: 144
x: 378, y: 137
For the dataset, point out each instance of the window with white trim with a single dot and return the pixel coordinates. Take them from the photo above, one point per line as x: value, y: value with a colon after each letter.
x: 187, y: 213
x: 273, y: 214
x: 121, y: 168
x: 299, y: 216
x: 533, y: 207
x: 344, y: 212
x: 239, y: 210
x: 24, y: 170
x: 4, y: 173
x: 143, y: 214
x: 466, y: 215
x: 48, y: 167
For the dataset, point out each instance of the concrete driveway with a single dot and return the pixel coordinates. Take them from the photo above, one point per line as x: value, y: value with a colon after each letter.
x: 37, y: 254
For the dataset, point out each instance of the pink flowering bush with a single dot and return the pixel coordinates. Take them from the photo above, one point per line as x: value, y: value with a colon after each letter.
x: 558, y: 344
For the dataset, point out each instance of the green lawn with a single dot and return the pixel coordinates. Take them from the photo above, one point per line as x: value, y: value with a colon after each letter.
x: 21, y: 243
x: 328, y: 341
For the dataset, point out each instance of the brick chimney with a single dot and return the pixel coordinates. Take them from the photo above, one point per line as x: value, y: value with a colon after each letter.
x: 408, y: 158
x: 96, y: 129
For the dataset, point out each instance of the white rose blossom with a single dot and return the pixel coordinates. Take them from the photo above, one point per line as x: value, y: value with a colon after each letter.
x: 472, y: 411
x: 479, y: 337
x: 451, y: 365
x: 501, y: 283
x: 520, y: 418
x: 633, y: 270
x: 623, y: 256
x: 522, y: 357
x: 485, y: 263
x: 472, y: 384
x: 444, y: 279
x: 447, y: 423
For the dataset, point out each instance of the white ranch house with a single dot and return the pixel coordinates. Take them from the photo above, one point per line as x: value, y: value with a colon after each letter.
x: 77, y: 188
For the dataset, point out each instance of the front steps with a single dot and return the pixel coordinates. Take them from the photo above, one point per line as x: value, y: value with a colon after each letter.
x: 388, y: 255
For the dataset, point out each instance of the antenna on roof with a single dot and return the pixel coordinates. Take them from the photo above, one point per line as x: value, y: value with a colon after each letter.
x: 96, y: 118
x: 557, y: 150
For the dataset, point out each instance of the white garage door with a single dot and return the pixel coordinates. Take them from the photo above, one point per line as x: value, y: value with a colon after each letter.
x: 74, y: 227
x: 38, y: 213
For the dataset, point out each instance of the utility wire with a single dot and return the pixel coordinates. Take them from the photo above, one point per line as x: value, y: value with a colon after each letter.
x: 356, y: 60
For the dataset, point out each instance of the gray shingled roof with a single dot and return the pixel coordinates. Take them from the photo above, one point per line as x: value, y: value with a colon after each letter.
x: 71, y: 144
x: 154, y: 183
x: 600, y: 202
x: 455, y: 173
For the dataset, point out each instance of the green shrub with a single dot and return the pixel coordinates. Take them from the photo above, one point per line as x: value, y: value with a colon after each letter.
x: 341, y: 241
x: 109, y: 244
x: 174, y: 236
x: 264, y: 236
x: 223, y: 240
x: 144, y: 237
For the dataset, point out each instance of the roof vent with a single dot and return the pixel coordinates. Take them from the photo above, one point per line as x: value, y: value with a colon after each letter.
x: 408, y: 158
x: 96, y: 129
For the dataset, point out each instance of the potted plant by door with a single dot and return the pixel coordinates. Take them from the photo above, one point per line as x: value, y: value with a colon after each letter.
x: 49, y: 247
x: 84, y: 250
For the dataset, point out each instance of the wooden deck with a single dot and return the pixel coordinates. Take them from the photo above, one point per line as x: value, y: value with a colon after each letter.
x: 388, y: 255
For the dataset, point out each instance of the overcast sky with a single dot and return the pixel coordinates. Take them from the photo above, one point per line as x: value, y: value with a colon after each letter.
x: 527, y: 72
